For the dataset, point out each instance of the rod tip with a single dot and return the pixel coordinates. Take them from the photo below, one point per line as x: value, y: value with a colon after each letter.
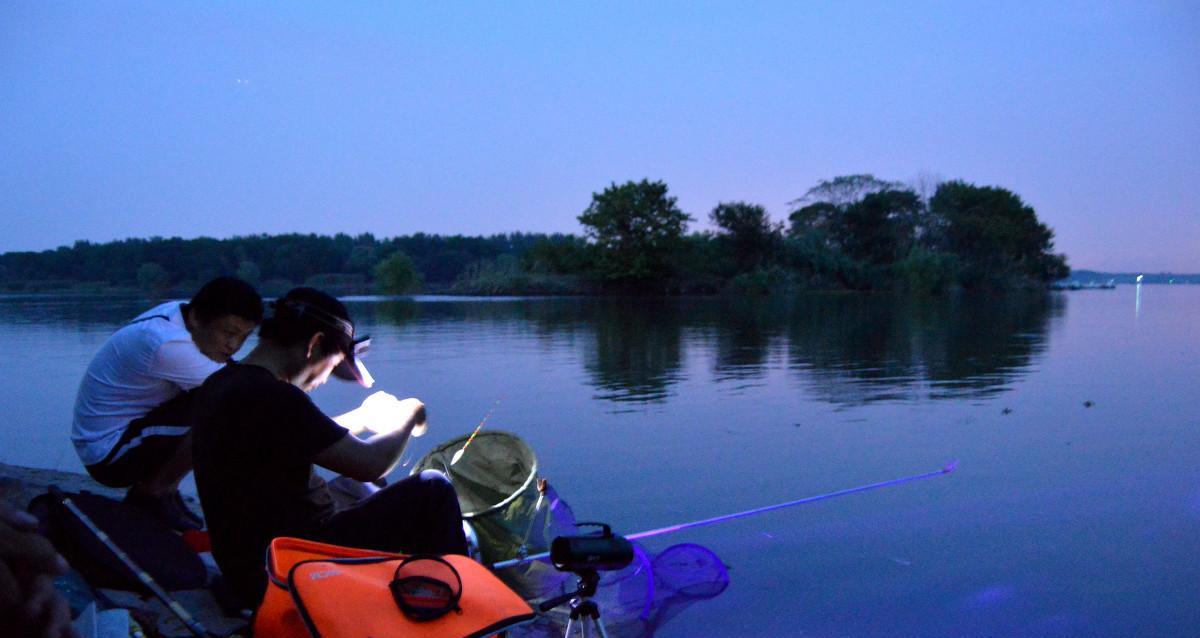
x: 950, y: 467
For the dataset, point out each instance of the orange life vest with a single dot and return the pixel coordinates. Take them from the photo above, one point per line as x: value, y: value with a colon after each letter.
x: 330, y: 591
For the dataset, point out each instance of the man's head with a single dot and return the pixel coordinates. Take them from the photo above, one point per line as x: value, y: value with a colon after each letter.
x: 316, y: 334
x: 221, y: 315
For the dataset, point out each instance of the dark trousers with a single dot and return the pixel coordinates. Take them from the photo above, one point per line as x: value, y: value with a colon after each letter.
x: 418, y: 514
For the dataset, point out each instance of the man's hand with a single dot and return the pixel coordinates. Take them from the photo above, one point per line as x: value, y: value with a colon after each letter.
x: 28, y: 565
x: 391, y: 427
x: 383, y: 413
x: 415, y: 420
x: 399, y: 415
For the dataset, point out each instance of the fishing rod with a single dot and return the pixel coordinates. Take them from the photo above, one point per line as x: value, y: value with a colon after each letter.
x: 146, y: 579
x: 948, y: 468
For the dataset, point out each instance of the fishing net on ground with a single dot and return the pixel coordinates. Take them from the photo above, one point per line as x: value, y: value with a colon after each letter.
x: 514, y: 514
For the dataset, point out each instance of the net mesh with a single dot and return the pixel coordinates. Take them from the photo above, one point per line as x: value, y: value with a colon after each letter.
x: 496, y: 481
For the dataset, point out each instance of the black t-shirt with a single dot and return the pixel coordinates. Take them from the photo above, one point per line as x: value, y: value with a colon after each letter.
x: 254, y: 438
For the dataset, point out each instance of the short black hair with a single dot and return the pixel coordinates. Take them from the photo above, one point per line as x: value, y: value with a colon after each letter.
x: 226, y: 296
x: 303, y: 312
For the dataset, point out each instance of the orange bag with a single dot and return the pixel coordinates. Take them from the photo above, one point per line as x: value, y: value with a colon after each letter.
x: 330, y: 591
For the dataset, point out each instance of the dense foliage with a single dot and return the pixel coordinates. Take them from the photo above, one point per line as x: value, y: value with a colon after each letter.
x: 635, y: 229
x: 854, y: 232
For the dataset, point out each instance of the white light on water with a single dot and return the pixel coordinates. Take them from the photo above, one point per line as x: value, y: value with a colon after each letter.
x: 1139, y: 279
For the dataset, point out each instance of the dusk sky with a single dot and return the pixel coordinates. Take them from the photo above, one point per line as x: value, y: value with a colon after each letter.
x: 191, y: 119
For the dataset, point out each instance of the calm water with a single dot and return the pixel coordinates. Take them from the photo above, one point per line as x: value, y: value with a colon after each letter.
x: 1063, y: 520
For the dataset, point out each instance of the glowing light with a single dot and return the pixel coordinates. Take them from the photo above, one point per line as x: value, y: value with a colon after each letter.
x: 367, y: 379
x: 380, y: 413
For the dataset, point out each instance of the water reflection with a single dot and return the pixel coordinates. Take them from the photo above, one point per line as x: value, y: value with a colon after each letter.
x: 886, y: 348
x: 78, y: 312
x: 637, y: 351
x: 845, y: 348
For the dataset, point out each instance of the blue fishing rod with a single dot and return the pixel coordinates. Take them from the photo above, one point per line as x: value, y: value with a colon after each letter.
x: 948, y: 468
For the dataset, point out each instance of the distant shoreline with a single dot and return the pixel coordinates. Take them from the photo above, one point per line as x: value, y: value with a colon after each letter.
x: 134, y: 293
x: 1170, y: 278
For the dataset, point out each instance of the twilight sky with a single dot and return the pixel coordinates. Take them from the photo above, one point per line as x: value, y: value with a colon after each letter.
x: 122, y: 119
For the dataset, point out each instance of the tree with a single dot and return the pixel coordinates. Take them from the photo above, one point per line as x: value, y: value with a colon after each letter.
x: 747, y: 233
x: 813, y: 221
x: 818, y: 213
x: 996, y: 237
x: 249, y: 271
x: 152, y: 278
x: 558, y: 254
x: 843, y: 190
x: 396, y: 275
x: 362, y: 258
x: 878, y: 229
x: 635, y: 227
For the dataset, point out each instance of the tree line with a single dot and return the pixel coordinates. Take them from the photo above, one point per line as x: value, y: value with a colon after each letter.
x: 850, y: 232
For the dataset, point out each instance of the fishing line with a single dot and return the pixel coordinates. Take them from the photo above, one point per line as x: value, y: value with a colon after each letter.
x: 950, y: 467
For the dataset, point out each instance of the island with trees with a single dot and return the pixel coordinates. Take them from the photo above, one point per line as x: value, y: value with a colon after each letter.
x: 853, y: 232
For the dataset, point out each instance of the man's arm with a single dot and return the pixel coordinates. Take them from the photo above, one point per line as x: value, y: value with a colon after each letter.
x: 370, y: 459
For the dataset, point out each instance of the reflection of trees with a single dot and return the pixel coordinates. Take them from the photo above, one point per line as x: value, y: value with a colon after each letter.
x: 848, y: 348
x: 742, y: 331
x: 81, y: 312
x: 632, y: 348
x: 863, y: 348
x: 638, y: 349
x: 984, y: 343
x: 854, y: 347
x: 395, y: 312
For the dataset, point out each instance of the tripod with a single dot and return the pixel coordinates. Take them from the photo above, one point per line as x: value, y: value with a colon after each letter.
x: 585, y: 613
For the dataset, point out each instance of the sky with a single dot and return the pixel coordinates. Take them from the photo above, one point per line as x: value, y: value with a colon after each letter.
x: 123, y: 119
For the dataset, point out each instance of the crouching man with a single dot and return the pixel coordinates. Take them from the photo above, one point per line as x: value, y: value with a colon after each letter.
x: 257, y: 436
x: 132, y: 422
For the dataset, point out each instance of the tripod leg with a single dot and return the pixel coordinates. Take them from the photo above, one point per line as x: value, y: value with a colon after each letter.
x: 599, y: 627
x: 578, y: 623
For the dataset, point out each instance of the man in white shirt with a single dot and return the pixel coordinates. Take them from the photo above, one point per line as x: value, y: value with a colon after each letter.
x: 132, y: 423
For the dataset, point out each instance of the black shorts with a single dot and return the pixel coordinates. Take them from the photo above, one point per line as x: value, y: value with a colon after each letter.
x: 146, y: 445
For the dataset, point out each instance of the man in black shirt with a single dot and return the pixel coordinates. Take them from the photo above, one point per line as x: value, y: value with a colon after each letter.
x: 257, y: 435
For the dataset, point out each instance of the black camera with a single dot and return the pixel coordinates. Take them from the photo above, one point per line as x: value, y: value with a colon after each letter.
x: 599, y: 551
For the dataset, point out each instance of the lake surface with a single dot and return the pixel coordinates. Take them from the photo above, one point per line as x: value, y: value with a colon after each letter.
x: 1062, y: 520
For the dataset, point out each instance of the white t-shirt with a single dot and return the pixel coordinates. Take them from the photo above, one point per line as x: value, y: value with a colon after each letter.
x: 140, y: 367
